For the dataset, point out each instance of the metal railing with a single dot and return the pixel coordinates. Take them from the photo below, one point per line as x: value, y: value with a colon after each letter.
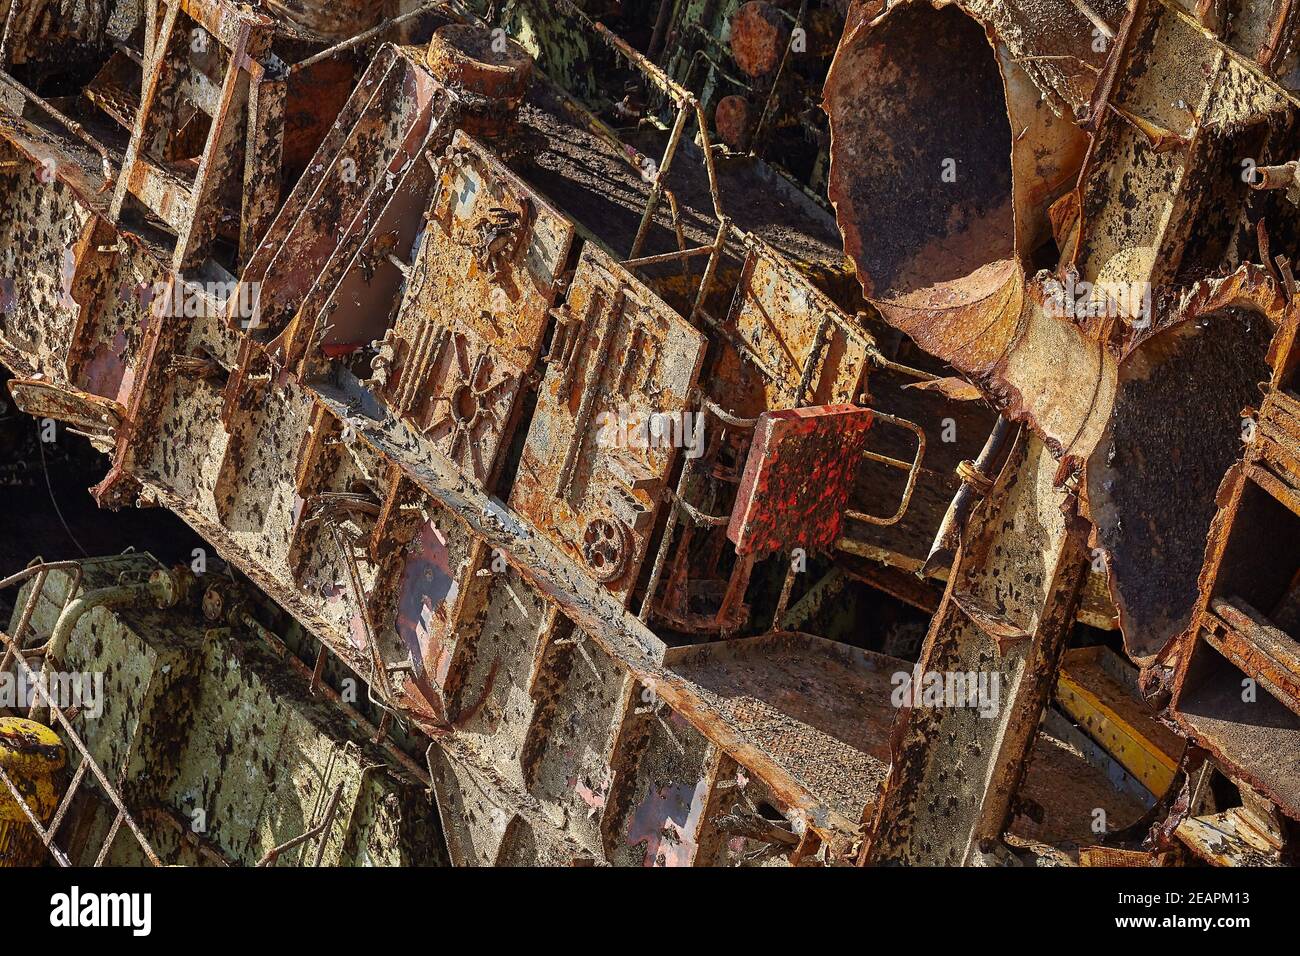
x: 15, y: 655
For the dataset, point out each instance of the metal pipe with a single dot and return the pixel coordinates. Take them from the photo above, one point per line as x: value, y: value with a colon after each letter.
x: 1276, y: 177
x: 1094, y: 18
x: 72, y: 613
x: 735, y: 421
x: 881, y: 360
x: 657, y: 187
x: 668, y: 257
x: 710, y: 269
x: 274, y: 853
x: 945, y: 540
x: 78, y: 607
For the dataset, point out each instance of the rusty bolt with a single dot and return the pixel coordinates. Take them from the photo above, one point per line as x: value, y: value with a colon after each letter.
x: 733, y: 119
x: 213, y: 604
x: 759, y: 34
x: 172, y: 586
x: 382, y: 362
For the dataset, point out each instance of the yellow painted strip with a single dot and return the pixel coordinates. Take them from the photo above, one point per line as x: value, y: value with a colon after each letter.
x: 1139, y: 756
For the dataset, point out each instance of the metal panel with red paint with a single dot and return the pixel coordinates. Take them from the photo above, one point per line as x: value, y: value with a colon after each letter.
x: 797, y: 478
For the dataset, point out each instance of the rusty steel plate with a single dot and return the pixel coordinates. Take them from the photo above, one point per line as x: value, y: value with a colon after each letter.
x: 612, y: 415
x: 797, y: 478
x: 794, y: 335
x: 820, y: 708
x: 471, y: 324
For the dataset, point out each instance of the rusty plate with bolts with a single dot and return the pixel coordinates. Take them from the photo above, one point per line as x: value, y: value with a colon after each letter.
x: 612, y: 414
x: 475, y: 311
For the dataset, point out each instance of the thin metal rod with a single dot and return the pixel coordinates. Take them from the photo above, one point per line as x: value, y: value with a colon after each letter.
x: 949, y: 533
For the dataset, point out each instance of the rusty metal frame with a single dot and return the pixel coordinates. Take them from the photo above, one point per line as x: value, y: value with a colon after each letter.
x: 246, y: 37
x: 13, y: 651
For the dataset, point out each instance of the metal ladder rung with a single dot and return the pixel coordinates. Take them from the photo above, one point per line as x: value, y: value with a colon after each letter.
x: 108, y: 840
x: 66, y: 802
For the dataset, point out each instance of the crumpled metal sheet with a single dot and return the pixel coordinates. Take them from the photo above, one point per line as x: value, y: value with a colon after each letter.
x: 1061, y: 351
x: 1151, y: 485
x: 918, y: 205
x: 940, y: 226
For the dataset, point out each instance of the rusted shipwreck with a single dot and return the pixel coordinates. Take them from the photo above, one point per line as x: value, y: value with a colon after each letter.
x: 811, y: 433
